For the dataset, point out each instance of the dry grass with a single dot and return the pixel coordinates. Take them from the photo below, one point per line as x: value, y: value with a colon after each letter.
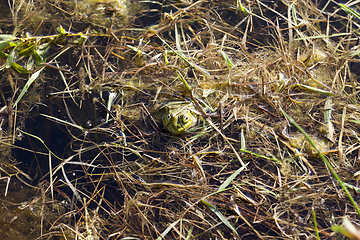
x: 249, y: 172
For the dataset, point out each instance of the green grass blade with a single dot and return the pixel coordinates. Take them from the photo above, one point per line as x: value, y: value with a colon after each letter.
x: 227, y: 59
x: 327, y: 118
x: 352, y: 187
x: 63, y: 122
x: 341, y: 230
x: 42, y: 141
x: 32, y: 79
x: 347, y: 229
x: 7, y: 185
x: 261, y: 188
x: 315, y: 224
x: 183, y: 80
x: 51, y: 178
x: 349, y: 11
x: 65, y: 82
x: 220, y: 215
x: 355, y: 53
x: 313, y: 89
x: 174, y: 51
x: 260, y: 156
x: 167, y: 230
x: 231, y: 178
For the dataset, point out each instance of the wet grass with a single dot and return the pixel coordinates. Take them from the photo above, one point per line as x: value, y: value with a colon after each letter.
x: 85, y: 153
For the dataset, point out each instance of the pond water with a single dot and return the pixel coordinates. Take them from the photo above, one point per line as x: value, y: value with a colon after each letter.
x: 86, y: 151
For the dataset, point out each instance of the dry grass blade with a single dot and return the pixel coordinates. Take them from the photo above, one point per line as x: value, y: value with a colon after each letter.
x: 195, y: 66
x: 325, y: 161
x: 170, y: 119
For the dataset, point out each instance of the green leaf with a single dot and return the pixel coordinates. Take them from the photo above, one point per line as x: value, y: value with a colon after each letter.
x: 37, y: 58
x: 15, y: 65
x: 4, y: 44
x: 43, y: 49
x: 5, y: 37
x: 30, y: 63
x: 61, y: 30
x: 27, y: 51
x: 10, y: 59
x: 3, y: 54
x: 80, y: 40
x: 19, y: 68
x: 32, y: 79
x: 7, y: 41
x: 242, y: 8
x: 41, y: 53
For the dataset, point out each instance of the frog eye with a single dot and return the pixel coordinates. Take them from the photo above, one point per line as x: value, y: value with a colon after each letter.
x: 186, y: 118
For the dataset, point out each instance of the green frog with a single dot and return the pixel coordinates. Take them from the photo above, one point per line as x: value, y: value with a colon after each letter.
x: 180, y: 117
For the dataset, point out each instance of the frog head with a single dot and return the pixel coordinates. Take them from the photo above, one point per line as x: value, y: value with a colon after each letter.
x: 178, y: 119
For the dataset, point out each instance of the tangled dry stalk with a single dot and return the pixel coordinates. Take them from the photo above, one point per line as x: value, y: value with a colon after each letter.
x: 275, y: 157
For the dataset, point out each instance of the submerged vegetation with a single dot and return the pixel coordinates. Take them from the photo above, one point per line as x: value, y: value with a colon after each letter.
x: 179, y: 119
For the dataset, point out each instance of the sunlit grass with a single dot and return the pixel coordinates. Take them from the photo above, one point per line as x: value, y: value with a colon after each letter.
x: 273, y: 88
